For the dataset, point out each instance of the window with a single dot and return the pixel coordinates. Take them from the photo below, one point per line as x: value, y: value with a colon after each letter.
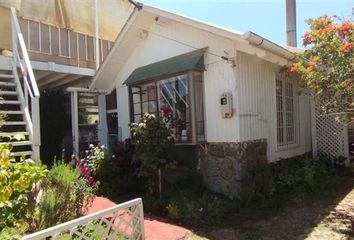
x: 286, y: 103
x: 112, y: 118
x: 183, y: 94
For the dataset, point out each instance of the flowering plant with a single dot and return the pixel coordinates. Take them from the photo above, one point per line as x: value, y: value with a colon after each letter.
x: 90, y: 164
x: 327, y: 66
x: 152, y: 141
x: 123, y: 153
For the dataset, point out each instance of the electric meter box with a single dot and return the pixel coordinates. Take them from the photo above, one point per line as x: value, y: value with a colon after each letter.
x: 226, y: 105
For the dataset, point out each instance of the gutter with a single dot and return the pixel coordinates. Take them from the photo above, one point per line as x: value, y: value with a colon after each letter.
x: 261, y: 42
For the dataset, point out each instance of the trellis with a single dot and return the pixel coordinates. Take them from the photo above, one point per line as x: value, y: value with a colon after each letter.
x: 330, y: 134
x: 122, y: 222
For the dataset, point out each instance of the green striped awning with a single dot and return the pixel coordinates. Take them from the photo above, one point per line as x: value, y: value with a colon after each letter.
x: 178, y: 64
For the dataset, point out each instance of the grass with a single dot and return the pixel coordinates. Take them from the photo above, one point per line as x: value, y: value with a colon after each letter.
x: 298, y: 214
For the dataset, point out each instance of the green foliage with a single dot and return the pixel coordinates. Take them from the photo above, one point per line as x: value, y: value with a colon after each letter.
x: 173, y: 211
x: 153, y: 141
x: 326, y: 67
x: 14, y: 233
x: 191, y: 206
x: 63, y: 174
x: 66, y: 195
x: 16, y: 180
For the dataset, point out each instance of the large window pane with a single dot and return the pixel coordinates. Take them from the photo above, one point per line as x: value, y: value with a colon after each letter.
x: 173, y: 93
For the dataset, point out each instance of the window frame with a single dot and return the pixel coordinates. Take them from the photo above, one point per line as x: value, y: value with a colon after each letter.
x: 191, y: 98
x: 293, y: 143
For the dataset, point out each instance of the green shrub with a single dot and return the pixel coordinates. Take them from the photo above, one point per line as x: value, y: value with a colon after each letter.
x: 153, y: 141
x: 63, y: 174
x: 173, y: 211
x: 16, y: 180
x: 66, y: 195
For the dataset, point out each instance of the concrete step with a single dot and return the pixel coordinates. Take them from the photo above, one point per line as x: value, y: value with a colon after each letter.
x: 17, y: 143
x: 8, y: 93
x: 12, y: 112
x: 12, y: 102
x: 14, y: 123
x: 6, y: 76
x: 19, y: 154
x: 7, y: 84
x: 5, y: 134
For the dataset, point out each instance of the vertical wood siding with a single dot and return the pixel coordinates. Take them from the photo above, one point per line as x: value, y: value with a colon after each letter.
x: 257, y: 107
x: 219, y: 76
x: 251, y: 81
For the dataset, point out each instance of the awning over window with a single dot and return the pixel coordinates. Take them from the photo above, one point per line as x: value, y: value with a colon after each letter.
x: 181, y: 63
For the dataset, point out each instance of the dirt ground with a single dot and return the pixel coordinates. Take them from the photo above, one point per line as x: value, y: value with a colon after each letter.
x: 329, y: 218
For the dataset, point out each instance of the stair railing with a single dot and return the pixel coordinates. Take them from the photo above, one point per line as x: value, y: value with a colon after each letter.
x: 29, y: 88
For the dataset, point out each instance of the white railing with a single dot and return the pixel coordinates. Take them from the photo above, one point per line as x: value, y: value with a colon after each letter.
x: 29, y: 86
x: 63, y: 45
x: 123, y: 221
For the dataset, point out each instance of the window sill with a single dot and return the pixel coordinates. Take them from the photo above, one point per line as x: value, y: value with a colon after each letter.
x: 287, y: 147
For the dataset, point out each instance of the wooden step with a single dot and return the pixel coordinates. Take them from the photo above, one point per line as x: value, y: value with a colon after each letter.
x: 14, y: 123
x: 7, y: 84
x: 6, y: 75
x: 8, y: 93
x: 19, y: 154
x: 17, y: 143
x: 6, y: 134
x: 12, y: 112
x: 12, y: 102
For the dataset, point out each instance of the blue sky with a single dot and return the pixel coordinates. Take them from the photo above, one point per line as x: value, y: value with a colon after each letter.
x: 264, y: 17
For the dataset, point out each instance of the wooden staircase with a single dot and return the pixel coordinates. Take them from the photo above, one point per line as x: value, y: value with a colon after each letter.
x: 15, y: 124
x: 20, y: 100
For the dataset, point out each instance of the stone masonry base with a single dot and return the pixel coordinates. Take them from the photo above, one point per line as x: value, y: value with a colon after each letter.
x: 225, y: 166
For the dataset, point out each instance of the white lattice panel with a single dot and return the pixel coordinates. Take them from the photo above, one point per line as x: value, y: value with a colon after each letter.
x: 121, y: 222
x: 331, y: 136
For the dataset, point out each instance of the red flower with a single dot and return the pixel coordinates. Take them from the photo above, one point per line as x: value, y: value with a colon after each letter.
x: 166, y: 111
x: 84, y: 170
x: 91, y: 181
x: 346, y: 47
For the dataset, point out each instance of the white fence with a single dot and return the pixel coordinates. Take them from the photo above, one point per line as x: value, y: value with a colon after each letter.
x: 123, y: 221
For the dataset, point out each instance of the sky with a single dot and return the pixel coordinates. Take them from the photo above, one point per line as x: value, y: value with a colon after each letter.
x: 264, y: 17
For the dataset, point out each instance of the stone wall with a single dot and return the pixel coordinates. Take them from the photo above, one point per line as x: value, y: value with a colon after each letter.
x: 225, y: 166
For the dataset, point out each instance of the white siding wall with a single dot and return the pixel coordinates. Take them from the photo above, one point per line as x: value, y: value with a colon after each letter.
x: 257, y: 107
x: 252, y: 83
x: 218, y: 77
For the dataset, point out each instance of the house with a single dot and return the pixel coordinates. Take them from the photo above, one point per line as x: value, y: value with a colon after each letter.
x: 48, y: 46
x: 233, y: 104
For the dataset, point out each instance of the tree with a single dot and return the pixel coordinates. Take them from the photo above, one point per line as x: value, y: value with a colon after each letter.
x: 327, y: 66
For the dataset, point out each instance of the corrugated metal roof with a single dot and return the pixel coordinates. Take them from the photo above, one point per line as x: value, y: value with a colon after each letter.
x: 189, y: 61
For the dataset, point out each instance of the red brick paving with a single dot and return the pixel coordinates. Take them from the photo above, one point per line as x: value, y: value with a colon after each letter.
x: 155, y: 228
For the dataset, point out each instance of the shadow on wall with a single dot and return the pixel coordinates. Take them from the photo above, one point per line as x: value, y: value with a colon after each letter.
x: 54, y: 123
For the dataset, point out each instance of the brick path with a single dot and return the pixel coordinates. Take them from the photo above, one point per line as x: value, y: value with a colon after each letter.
x: 155, y: 229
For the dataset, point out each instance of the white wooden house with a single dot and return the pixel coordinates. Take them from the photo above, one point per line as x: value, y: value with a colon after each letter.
x: 225, y: 87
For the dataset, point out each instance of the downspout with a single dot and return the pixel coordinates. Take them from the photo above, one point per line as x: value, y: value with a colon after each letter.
x: 261, y: 42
